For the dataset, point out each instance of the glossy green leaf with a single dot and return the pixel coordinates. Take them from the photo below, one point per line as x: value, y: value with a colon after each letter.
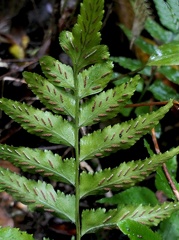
x: 135, y: 230
x: 132, y: 196
x: 38, y: 195
x: 157, y: 31
x: 169, y: 228
x: 171, y: 73
x: 54, y: 98
x: 126, y: 110
x: 14, y: 234
x: 148, y: 148
x: 122, y: 78
x: 162, y: 184
x: 162, y: 92
x: 120, y: 136
x: 44, y: 124
x: 142, y: 110
x: 126, y: 175
x: 172, y: 166
x: 107, y: 105
x: 132, y: 64
x: 168, y: 12
x: 167, y: 54
x: 161, y: 181
x: 45, y: 162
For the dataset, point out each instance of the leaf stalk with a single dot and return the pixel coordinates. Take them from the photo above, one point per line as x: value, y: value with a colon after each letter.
x: 77, y: 178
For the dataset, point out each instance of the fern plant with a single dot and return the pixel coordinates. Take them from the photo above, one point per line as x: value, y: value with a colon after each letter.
x: 76, y: 99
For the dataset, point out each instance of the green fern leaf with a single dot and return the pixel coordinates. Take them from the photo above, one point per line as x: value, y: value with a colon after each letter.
x: 14, y: 234
x: 38, y: 195
x: 82, y: 45
x: 89, y: 22
x: 54, y: 98
x: 126, y: 175
x: 43, y: 124
x: 93, y: 220
x: 107, y: 104
x: 94, y: 79
x: 120, y: 136
x: 45, y: 162
x: 58, y: 74
x: 168, y: 12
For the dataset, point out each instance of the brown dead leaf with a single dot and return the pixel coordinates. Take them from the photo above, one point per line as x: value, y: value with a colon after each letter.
x: 7, y: 165
x: 125, y: 13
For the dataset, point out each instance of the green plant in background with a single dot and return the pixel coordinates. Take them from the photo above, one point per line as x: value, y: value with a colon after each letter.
x: 76, y: 99
x: 164, y: 32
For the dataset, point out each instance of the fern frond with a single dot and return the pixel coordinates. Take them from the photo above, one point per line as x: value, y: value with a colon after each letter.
x: 45, y: 162
x: 93, y: 220
x: 43, y: 124
x: 94, y: 79
x: 107, y: 105
x: 124, y: 176
x: 58, y: 74
x: 54, y: 98
x: 38, y: 194
x: 14, y: 234
x: 82, y: 45
x: 120, y: 136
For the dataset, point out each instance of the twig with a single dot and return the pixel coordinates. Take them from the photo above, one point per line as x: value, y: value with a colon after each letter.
x: 154, y: 139
x: 167, y: 174
x: 4, y: 139
x: 18, y: 69
x: 175, y: 103
x: 145, y: 104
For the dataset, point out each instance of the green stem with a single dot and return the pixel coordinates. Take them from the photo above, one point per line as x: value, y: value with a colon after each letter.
x: 77, y: 179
